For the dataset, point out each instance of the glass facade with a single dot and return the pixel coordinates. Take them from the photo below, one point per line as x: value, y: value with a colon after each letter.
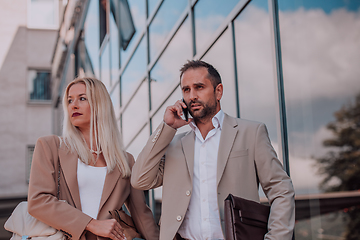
x: 292, y: 64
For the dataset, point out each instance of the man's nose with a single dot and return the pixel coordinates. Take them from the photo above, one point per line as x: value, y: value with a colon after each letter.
x: 193, y: 95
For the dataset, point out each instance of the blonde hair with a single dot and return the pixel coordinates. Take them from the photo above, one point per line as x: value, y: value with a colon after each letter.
x: 103, y: 128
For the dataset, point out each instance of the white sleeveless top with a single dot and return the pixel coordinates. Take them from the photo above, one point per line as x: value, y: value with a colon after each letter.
x: 91, y: 184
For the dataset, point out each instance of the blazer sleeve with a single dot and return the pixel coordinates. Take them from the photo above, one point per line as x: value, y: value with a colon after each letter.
x: 140, y: 212
x: 42, y: 200
x: 277, y: 186
x: 147, y: 172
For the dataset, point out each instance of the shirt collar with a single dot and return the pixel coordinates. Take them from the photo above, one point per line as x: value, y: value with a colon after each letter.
x: 217, y: 121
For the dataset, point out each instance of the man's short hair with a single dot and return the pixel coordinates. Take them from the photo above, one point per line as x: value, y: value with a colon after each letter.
x: 213, y: 74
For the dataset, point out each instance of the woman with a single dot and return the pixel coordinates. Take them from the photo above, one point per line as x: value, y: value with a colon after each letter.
x: 94, y: 171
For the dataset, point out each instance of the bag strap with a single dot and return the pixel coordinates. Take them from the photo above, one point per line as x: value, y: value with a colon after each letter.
x: 58, y: 178
x: 58, y: 182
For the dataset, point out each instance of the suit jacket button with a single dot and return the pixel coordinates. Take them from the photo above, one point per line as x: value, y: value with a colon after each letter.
x: 187, y: 193
x: 178, y: 218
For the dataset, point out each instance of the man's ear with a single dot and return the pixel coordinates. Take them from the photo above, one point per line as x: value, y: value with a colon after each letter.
x: 219, y: 91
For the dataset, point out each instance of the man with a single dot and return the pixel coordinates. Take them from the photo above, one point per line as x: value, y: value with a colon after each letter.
x: 220, y: 155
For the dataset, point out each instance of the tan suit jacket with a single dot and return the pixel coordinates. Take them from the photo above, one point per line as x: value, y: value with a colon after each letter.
x: 245, y: 159
x: 67, y: 216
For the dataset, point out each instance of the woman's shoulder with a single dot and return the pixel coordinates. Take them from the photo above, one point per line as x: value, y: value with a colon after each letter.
x: 51, y: 140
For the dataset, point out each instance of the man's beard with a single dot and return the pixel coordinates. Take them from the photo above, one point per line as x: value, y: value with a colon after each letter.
x: 208, y: 110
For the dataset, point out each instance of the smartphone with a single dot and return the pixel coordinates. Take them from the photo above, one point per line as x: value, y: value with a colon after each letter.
x: 186, y: 112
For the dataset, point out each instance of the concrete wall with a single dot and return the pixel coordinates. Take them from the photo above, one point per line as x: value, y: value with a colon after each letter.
x: 22, y: 121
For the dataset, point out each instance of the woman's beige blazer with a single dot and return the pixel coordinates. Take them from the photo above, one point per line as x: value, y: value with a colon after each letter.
x: 67, y: 215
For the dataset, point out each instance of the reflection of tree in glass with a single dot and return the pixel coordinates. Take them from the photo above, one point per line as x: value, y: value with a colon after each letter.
x: 343, y: 164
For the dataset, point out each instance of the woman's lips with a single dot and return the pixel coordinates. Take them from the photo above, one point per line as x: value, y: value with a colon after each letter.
x: 76, y: 114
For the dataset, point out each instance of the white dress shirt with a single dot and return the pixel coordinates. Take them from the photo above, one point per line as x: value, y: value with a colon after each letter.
x: 91, y: 183
x: 202, y: 219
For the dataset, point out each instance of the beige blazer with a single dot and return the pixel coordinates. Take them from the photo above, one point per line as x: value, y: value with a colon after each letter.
x: 245, y: 159
x: 67, y: 216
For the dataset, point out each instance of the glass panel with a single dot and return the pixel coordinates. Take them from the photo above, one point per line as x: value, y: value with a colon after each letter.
x: 165, y: 74
x: 39, y: 85
x: 139, y: 142
x: 115, y: 98
x: 105, y: 66
x: 138, y: 12
x: 114, y: 44
x: 320, y: 50
x: 221, y: 57
x: 151, y: 6
x: 255, y: 67
x: 43, y: 14
x: 92, y: 35
x: 209, y: 15
x: 136, y: 114
x: 133, y: 73
x: 163, y: 22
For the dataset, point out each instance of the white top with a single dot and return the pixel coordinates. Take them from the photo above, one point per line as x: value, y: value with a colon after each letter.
x: 91, y: 183
x: 202, y: 219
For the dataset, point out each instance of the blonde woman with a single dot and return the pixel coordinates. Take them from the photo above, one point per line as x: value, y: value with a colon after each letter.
x: 94, y: 171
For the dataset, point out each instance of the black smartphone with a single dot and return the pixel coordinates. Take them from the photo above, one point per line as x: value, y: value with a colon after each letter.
x: 186, y: 112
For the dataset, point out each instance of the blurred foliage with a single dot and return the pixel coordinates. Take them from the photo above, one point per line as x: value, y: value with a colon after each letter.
x: 341, y: 166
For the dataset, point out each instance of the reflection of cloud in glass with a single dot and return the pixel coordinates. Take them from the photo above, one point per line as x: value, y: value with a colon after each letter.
x: 320, y: 54
x: 255, y: 66
x: 133, y: 73
x: 166, y: 72
x: 328, y: 6
x: 209, y: 15
x: 163, y: 22
x: 136, y: 114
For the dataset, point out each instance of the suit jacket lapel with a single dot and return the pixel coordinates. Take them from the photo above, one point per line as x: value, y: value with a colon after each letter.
x: 110, y: 182
x: 68, y: 162
x: 188, y: 144
x: 228, y: 134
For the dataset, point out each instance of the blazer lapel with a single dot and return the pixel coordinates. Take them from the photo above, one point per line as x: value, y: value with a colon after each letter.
x: 228, y: 134
x: 188, y: 144
x: 110, y: 182
x: 68, y: 163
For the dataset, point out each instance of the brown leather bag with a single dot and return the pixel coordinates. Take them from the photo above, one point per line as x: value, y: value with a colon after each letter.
x: 245, y: 219
x: 126, y: 223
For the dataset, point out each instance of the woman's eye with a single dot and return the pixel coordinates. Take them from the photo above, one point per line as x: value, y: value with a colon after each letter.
x: 70, y: 101
x: 82, y: 98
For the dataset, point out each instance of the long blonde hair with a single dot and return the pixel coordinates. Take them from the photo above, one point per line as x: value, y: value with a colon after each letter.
x: 103, y: 128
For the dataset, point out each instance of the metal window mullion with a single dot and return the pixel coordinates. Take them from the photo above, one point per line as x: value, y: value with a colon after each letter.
x: 237, y: 97
x: 192, y: 22
x: 274, y: 11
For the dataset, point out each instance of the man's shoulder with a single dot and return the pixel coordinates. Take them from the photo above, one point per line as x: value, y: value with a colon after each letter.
x: 242, y: 122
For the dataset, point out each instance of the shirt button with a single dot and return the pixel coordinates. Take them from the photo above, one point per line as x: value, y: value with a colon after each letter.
x: 178, y: 218
x: 187, y: 193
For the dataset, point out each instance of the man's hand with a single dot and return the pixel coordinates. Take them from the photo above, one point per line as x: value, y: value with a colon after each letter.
x: 109, y: 228
x: 172, y: 116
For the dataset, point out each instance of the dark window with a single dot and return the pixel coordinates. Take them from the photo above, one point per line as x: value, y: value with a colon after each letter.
x: 39, y: 85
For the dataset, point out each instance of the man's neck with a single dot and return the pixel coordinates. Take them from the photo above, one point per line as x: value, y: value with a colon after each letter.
x: 205, y: 125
